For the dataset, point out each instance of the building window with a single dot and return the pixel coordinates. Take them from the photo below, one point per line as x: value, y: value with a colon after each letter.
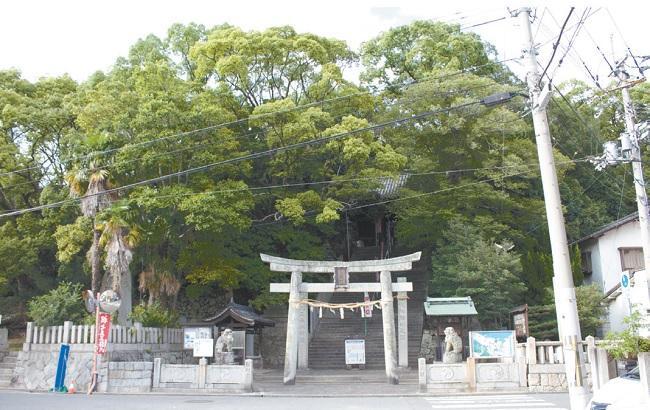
x: 585, y: 260
x: 631, y: 258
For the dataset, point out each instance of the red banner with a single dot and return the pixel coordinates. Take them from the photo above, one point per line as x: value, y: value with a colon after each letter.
x: 101, y: 335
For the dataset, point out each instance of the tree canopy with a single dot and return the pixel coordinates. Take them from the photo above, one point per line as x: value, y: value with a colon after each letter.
x: 200, y: 150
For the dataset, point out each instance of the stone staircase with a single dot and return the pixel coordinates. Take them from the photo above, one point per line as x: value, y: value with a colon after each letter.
x: 327, y: 347
x: 7, y: 365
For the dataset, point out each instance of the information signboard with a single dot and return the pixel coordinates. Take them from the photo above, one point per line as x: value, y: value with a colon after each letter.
x: 203, y: 347
x: 192, y: 333
x: 355, y: 351
x: 492, y: 344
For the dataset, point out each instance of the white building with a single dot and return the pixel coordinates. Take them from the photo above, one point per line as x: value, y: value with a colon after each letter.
x: 606, y: 254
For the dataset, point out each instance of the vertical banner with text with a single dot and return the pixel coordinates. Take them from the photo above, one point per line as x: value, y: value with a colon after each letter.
x: 103, y: 330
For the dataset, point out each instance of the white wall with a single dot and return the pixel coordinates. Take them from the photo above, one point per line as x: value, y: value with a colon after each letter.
x: 606, y: 268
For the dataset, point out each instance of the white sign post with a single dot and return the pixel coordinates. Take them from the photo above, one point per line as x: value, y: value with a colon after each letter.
x: 355, y: 352
x: 203, y: 347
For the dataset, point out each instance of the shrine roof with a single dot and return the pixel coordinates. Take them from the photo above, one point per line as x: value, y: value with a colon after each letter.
x: 450, y: 307
x: 242, y: 314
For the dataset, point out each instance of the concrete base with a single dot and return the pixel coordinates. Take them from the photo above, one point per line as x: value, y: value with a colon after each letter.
x: 224, y: 358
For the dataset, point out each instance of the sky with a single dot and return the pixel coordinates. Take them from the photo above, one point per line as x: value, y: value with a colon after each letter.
x: 50, y: 38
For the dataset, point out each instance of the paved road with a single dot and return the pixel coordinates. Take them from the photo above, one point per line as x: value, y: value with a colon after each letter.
x: 17, y: 400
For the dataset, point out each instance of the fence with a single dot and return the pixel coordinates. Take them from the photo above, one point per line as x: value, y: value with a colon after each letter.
x: 551, y: 352
x: 85, y: 334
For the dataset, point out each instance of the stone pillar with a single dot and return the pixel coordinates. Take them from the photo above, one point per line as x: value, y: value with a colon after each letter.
x: 471, y: 372
x: 644, y: 372
x: 388, y: 319
x: 303, y: 334
x: 202, y: 373
x: 248, y: 375
x: 4, y: 339
x: 67, y: 325
x: 293, y: 319
x: 531, y: 351
x: 593, y: 363
x: 603, y: 365
x: 402, y: 328
x: 28, y: 336
x: 422, y: 374
x: 157, y: 367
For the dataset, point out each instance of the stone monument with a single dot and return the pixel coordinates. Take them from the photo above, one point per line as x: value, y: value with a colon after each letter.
x: 453, y: 347
x: 223, y: 353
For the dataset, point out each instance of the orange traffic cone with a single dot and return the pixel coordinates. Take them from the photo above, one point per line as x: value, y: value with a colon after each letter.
x: 72, y: 389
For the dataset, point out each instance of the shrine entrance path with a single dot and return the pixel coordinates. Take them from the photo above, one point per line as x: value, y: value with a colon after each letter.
x: 335, y: 383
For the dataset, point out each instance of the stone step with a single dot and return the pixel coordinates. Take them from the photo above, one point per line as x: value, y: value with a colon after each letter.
x: 9, y: 359
x: 6, y: 372
x: 7, y: 365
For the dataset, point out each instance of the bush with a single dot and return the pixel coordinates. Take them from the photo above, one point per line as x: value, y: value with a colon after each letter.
x: 58, y: 305
x: 154, y: 315
x: 627, y: 344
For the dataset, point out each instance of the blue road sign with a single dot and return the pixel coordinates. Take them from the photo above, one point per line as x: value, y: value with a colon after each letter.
x: 625, y: 281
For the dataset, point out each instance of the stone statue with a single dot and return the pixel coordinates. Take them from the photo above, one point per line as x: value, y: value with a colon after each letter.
x: 224, y: 342
x: 453, y: 347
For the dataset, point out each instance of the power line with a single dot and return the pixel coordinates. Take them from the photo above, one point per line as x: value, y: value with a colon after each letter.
x: 573, y: 52
x: 625, y: 42
x: 483, y: 23
x: 555, y: 46
x: 254, y: 133
x: 439, y: 191
x: 571, y: 42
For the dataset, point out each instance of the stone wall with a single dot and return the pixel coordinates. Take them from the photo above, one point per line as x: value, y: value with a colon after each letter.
x: 550, y: 377
x: 428, y: 346
x: 126, y: 377
x: 202, y: 377
x: 36, y: 367
x: 273, y: 340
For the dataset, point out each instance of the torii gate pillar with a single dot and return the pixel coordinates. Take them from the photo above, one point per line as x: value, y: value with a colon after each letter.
x: 293, y: 324
x: 388, y: 319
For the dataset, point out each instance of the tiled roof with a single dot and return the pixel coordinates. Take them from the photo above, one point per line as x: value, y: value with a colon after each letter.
x: 613, y: 225
x: 450, y: 307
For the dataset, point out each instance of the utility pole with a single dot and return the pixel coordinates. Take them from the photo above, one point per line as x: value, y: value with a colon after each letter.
x: 632, y: 136
x: 565, y: 296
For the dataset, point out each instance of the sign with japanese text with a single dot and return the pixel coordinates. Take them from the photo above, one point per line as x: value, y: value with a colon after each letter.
x: 190, y: 334
x: 367, y: 310
x: 102, y: 332
x: 355, y: 351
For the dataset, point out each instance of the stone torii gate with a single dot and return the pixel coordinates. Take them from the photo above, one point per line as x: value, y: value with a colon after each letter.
x: 296, y: 351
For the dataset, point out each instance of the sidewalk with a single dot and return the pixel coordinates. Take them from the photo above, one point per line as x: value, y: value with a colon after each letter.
x: 349, y: 383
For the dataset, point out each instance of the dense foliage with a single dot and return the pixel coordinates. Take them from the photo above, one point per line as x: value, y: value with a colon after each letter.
x: 58, y: 305
x: 227, y: 103
x: 154, y: 315
x: 628, y: 343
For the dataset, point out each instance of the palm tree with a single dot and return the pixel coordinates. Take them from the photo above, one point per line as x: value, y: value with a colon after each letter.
x: 89, y: 184
x: 119, y: 237
x: 157, y: 283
